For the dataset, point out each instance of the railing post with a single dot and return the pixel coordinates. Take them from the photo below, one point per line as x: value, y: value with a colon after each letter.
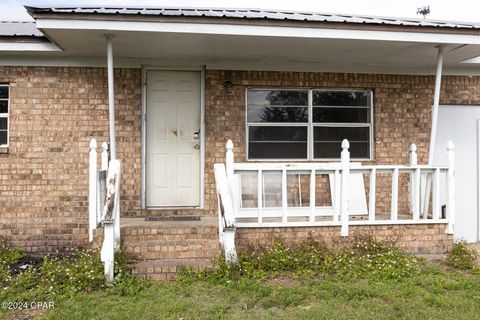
x: 451, y: 187
x: 227, y: 223
x: 411, y: 184
x: 116, y: 219
x: 344, y: 193
x: 229, y: 159
x: 109, y: 215
x: 92, y: 189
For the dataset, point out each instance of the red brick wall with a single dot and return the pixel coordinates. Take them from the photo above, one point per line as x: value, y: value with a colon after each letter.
x: 54, y: 111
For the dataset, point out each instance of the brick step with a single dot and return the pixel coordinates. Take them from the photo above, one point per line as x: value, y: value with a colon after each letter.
x: 165, y: 246
x: 159, y: 248
x: 167, y: 256
x: 140, y: 231
x: 167, y: 270
x: 172, y: 237
x: 174, y: 212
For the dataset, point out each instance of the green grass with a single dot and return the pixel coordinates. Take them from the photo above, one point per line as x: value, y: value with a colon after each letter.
x: 437, y: 294
x: 359, y: 279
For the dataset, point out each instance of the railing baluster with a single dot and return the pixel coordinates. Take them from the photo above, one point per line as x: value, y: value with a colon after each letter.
x: 372, y: 194
x: 312, y: 196
x: 339, y: 210
x: 411, y: 184
x: 436, y: 195
x: 416, y: 195
x: 394, y: 205
x: 104, y: 156
x: 260, y: 195
x: 450, y: 187
x: 336, y: 197
x: 284, y: 196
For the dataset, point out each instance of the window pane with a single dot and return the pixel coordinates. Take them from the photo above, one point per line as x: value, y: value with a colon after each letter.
x: 277, y: 114
x: 328, y: 141
x: 272, y: 189
x: 277, y: 142
x: 341, y: 98
x: 3, y: 137
x: 3, y: 106
x: 352, y: 115
x: 3, y: 123
x: 3, y: 92
x: 249, y: 192
x: 329, y: 150
x: 277, y: 98
x: 333, y: 134
x: 298, y: 189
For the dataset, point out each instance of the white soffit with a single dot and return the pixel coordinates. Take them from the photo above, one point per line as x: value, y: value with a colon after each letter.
x: 208, y: 48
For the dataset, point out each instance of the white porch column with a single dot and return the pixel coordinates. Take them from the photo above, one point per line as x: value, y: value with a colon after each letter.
x: 433, y: 132
x: 111, y: 97
x: 436, y: 102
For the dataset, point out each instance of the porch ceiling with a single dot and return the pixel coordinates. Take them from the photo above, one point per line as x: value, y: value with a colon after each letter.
x: 234, y: 50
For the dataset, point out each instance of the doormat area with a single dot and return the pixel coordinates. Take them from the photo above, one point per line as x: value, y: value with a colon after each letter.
x: 173, y: 218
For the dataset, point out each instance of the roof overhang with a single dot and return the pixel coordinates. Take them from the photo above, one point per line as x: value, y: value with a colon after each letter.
x: 262, y: 44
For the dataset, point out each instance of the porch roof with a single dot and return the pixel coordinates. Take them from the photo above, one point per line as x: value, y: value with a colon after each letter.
x: 263, y: 14
x: 19, y: 29
x: 248, y: 39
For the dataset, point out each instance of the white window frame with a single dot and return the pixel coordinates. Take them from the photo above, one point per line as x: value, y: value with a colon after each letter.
x: 310, y: 124
x: 6, y: 115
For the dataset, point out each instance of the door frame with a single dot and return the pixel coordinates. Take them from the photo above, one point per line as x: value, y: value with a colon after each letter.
x: 145, y: 70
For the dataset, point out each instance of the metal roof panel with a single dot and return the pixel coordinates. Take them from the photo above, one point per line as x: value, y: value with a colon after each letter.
x: 19, y: 29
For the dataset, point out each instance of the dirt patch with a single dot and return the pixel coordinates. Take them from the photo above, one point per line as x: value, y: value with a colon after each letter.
x: 26, y: 314
x: 284, y: 281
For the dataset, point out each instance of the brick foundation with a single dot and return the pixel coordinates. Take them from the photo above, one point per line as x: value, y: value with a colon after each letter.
x: 415, y: 238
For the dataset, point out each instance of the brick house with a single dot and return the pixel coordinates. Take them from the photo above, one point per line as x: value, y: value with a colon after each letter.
x: 286, y: 88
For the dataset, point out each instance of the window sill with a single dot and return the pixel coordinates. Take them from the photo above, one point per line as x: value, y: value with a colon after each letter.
x: 3, y: 150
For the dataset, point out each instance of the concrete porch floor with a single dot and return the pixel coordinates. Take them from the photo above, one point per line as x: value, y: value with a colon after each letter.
x: 207, y: 221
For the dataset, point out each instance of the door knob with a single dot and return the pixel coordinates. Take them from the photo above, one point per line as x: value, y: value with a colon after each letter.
x: 196, y: 135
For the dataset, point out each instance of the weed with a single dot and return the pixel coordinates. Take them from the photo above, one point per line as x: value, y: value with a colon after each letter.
x: 462, y: 257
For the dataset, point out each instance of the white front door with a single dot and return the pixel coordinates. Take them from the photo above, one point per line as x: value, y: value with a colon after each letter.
x: 172, y: 173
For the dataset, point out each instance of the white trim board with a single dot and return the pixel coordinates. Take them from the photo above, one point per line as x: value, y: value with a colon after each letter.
x: 28, y: 46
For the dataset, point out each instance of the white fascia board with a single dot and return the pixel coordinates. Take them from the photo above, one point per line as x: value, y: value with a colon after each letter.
x: 28, y: 46
x: 261, y: 31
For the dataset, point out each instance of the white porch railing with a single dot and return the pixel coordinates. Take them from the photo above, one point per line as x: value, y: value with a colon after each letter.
x: 104, y: 204
x: 284, y: 194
